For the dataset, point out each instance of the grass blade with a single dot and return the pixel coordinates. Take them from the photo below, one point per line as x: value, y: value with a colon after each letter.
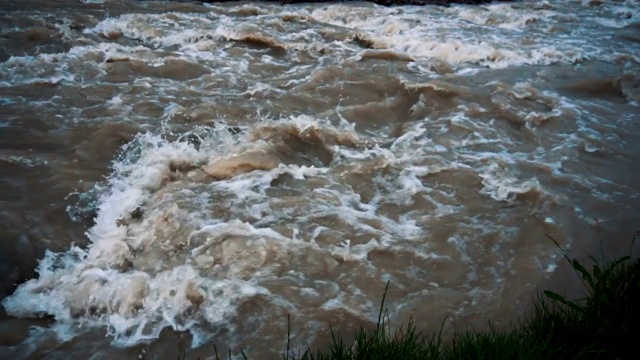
x: 561, y: 299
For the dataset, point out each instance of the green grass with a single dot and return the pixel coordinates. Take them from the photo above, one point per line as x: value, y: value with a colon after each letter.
x: 605, y: 324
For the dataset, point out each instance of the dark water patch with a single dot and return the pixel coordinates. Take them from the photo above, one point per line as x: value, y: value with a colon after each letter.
x: 371, y: 98
x: 15, y: 331
x: 595, y: 80
x: 630, y: 86
x: 96, y: 144
x: 386, y: 55
x: 607, y: 89
x: 20, y: 254
x: 36, y: 40
x: 25, y: 95
x: 630, y: 33
x: 124, y: 71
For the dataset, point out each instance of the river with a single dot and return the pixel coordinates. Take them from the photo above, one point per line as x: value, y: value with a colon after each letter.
x: 197, y: 174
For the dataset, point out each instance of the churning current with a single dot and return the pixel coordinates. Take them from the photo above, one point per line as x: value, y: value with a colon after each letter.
x: 183, y: 173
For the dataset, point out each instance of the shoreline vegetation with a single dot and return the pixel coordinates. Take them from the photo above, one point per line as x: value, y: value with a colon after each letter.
x: 604, y: 324
x: 379, y: 2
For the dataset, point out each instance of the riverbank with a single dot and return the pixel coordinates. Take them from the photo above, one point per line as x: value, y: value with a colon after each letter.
x: 602, y: 325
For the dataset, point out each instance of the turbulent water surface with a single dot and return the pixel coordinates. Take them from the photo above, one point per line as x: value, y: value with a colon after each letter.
x: 196, y: 173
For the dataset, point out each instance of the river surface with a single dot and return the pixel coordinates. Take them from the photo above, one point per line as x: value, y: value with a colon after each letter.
x: 177, y: 174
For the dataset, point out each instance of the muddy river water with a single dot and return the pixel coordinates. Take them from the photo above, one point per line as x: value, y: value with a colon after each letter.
x: 179, y: 173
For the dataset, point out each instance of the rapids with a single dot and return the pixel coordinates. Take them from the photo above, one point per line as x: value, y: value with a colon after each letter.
x: 185, y: 173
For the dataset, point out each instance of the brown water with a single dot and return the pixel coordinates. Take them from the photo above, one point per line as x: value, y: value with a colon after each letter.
x: 195, y: 173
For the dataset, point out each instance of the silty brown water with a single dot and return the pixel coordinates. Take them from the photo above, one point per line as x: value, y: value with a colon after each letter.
x: 195, y: 173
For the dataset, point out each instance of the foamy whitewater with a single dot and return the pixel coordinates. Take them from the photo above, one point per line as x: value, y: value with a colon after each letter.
x: 200, y: 173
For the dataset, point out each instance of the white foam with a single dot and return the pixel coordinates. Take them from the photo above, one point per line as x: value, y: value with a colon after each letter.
x: 501, y: 15
x: 458, y: 36
x: 80, y: 285
x: 503, y: 187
